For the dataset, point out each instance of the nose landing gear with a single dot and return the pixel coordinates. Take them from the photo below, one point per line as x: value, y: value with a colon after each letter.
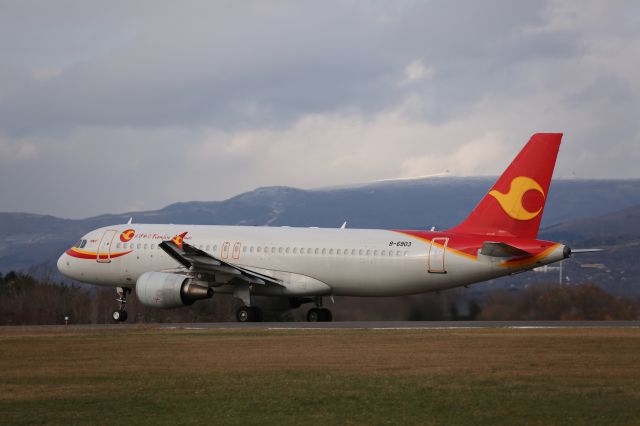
x: 121, y: 314
x: 319, y: 314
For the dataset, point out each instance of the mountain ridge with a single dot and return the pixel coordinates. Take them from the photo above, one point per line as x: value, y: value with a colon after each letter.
x: 27, y: 239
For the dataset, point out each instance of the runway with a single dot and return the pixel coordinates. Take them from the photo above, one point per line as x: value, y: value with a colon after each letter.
x: 343, y: 325
x: 347, y: 325
x: 403, y: 325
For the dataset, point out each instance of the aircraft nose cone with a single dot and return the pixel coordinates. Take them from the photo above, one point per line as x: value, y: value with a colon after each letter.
x: 62, y: 264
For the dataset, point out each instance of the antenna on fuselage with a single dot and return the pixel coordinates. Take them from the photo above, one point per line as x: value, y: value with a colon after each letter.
x: 344, y: 225
x: 130, y: 220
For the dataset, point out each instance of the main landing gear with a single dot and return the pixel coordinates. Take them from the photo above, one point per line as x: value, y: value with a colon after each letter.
x: 319, y: 314
x: 249, y: 314
x: 121, y: 314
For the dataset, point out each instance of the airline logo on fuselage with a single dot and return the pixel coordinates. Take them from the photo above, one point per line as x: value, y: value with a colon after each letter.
x: 513, y: 201
x: 127, y: 235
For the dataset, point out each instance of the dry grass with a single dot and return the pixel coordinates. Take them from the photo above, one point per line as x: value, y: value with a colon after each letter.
x: 484, y: 376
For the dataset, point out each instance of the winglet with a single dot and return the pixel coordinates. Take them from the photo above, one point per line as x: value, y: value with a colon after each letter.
x: 179, y: 239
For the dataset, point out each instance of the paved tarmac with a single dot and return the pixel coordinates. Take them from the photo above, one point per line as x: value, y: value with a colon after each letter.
x: 356, y: 325
x: 399, y: 325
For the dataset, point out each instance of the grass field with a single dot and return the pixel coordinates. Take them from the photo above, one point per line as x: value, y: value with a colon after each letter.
x: 452, y: 376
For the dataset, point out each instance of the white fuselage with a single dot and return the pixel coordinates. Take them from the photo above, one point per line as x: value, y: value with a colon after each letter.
x: 309, y: 261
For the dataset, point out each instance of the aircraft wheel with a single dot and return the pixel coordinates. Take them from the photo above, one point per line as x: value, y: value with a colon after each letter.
x: 119, y: 315
x: 243, y: 314
x: 314, y: 315
x: 257, y: 314
x: 326, y: 315
x: 249, y: 314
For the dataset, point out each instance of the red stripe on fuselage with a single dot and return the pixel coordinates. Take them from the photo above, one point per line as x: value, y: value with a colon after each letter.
x: 82, y: 254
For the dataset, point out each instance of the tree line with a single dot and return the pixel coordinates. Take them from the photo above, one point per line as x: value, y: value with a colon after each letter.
x: 27, y: 300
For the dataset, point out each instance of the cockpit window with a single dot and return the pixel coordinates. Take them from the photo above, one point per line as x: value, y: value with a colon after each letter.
x: 80, y: 244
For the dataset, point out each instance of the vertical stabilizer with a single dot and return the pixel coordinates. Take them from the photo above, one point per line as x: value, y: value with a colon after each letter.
x: 515, y: 204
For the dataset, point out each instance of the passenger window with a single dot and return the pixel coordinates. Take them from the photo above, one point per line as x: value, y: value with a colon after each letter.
x: 361, y: 252
x: 145, y: 246
x: 398, y: 253
x: 308, y: 251
x: 317, y: 251
x: 287, y: 251
x: 295, y: 250
x: 280, y: 250
x: 266, y: 249
x: 207, y: 248
x: 259, y: 249
x: 324, y: 251
x: 244, y: 249
x: 383, y: 253
x: 118, y: 245
x: 339, y: 252
x: 330, y: 251
x: 215, y: 248
x: 390, y: 253
x: 251, y: 249
x: 406, y: 253
x: 139, y: 246
x: 353, y: 252
x: 368, y: 252
x: 153, y: 246
x: 273, y: 250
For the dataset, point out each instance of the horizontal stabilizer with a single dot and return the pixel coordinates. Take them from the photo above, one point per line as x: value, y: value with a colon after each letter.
x: 494, y: 249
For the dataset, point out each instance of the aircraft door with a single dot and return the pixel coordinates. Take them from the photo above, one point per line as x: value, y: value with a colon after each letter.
x: 225, y: 250
x: 437, y: 252
x: 236, y: 250
x: 104, y: 247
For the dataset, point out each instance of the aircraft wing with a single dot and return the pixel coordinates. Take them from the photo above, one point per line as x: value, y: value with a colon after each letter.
x: 495, y: 249
x: 199, y: 261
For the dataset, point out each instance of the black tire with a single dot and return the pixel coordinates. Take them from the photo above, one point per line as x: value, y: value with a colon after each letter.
x: 119, y: 316
x: 326, y: 315
x: 244, y: 314
x: 256, y: 313
x: 314, y: 315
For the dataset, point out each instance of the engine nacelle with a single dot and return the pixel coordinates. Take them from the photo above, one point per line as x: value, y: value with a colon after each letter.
x: 163, y: 290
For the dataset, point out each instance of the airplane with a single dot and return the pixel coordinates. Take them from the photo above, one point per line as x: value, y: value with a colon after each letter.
x: 172, y: 266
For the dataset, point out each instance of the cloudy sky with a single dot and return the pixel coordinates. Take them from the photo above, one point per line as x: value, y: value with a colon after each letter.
x: 119, y: 106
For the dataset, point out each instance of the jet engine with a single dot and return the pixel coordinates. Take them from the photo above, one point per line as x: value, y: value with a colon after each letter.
x: 163, y: 290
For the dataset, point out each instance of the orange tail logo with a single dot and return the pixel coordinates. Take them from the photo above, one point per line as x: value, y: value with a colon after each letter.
x: 511, y: 202
x: 179, y: 239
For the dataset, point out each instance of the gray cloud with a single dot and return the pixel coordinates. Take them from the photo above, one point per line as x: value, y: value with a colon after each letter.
x: 97, y: 101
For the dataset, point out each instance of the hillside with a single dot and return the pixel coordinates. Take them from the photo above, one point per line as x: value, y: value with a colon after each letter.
x: 576, y: 210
